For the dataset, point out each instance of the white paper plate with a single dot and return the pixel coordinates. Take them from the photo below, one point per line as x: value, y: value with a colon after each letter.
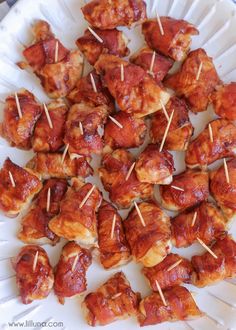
x: 217, y: 24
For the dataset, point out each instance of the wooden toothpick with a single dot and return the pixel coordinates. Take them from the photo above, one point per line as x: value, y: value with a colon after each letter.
x: 64, y: 153
x: 75, y: 263
x: 207, y: 248
x: 122, y: 73
x: 81, y: 128
x: 48, y: 199
x: 35, y: 260
x: 199, y: 71
x: 117, y: 295
x: 116, y: 122
x: 226, y: 171
x: 95, y: 34
x: 87, y: 196
x: 48, y: 116
x: 164, y: 110
x: 130, y: 171
x: 161, y: 293
x: 177, y: 188
x: 160, y: 24
x: 174, y: 265
x: 166, y: 131
x: 152, y: 63
x: 18, y: 105
x: 113, y: 226
x: 210, y: 133
x: 140, y: 214
x: 56, y: 52
x: 93, y: 83
x: 12, y: 179
x: 194, y: 219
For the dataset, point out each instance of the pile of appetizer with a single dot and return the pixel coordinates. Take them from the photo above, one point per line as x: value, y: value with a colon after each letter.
x: 108, y: 112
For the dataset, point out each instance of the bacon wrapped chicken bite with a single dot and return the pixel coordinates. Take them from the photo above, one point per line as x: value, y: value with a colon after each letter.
x: 181, y: 129
x: 216, y: 141
x: 210, y: 270
x: 113, y: 247
x: 52, y: 165
x: 205, y: 221
x: 106, y: 14
x: 34, y: 274
x: 18, y: 186
x: 21, y: 113
x: 94, y: 95
x: 70, y: 272
x: 196, y: 79
x: 224, y: 101
x: 82, y: 126
x: 122, y: 183
x: 35, y: 223
x: 114, y: 300
x: 172, y: 271
x: 77, y: 218
x: 111, y: 42
x: 132, y: 87
x: 187, y: 189
x: 175, y: 42
x: 154, y: 166
x: 223, y: 188
x: 49, y: 132
x: 179, y: 306
x: 57, y: 68
x: 147, y: 230
x: 153, y: 63
x: 129, y: 134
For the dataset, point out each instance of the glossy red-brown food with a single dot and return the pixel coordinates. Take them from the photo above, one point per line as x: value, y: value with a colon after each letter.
x: 209, y: 225
x: 224, y: 101
x: 138, y: 93
x: 33, y: 284
x: 35, y: 223
x: 114, y: 42
x: 195, y: 190
x: 27, y: 185
x: 114, y: 300
x: 84, y: 92
x: 185, y: 82
x: 113, y: 247
x: 47, y: 139
x: 181, y: 129
x: 150, y: 243
x: 131, y: 135
x: 70, y: 278
x: 76, y: 222
x: 49, y: 165
x: 113, y: 173
x: 154, y: 166
x: 87, y: 141
x: 106, y: 14
x: 19, y: 131
x: 209, y: 270
x: 176, y: 40
x: 161, y: 64
x: 168, y: 278
x: 202, y: 151
x: 223, y: 192
x: 58, y: 73
x: 180, y: 306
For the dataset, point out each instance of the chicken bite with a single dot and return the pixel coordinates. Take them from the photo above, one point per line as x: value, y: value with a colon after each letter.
x: 113, y: 247
x: 34, y: 274
x: 123, y: 187
x: 135, y: 92
x: 187, y: 189
x: 149, y: 237
x: 196, y: 80
x: 70, y: 272
x: 176, y: 40
x: 106, y: 14
x: 18, y: 186
x: 114, y: 300
x: 21, y: 113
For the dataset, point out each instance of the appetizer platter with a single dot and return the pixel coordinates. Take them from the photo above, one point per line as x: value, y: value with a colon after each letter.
x: 117, y: 162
